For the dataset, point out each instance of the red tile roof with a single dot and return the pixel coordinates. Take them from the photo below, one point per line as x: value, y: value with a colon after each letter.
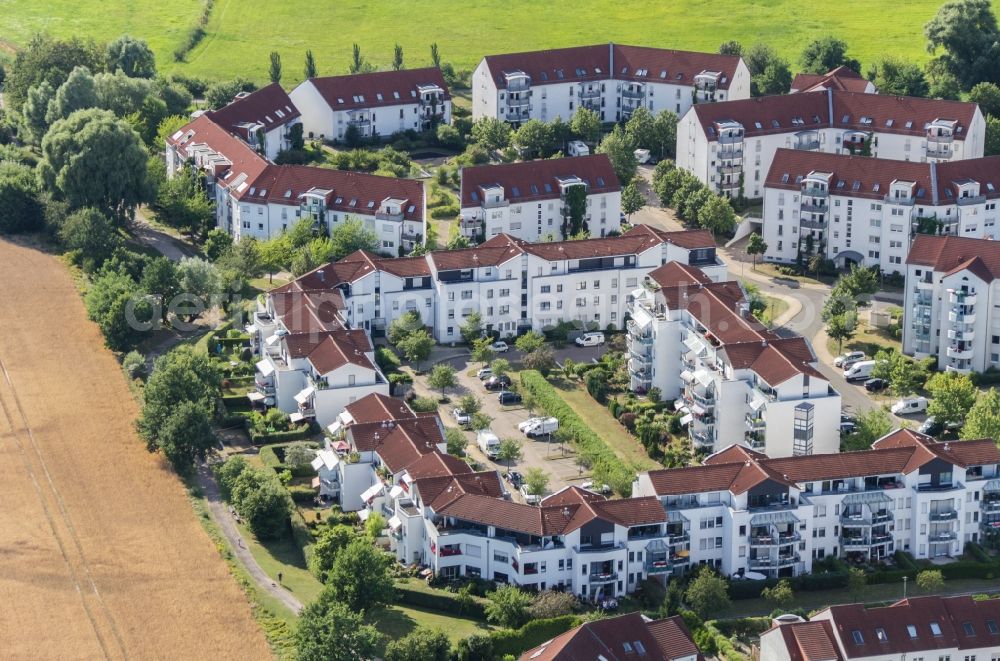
x: 269, y: 106
x: 809, y: 641
x: 675, y: 274
x: 378, y: 89
x: 841, y: 78
x: 214, y: 148
x: 529, y: 181
x: 378, y: 408
x: 439, y: 491
x: 594, y: 63
x: 621, y: 638
x: 309, y: 311
x: 856, y: 176
x: 498, y: 250
x: 400, y: 444
x: 436, y: 465
x: 339, y: 348
x: 947, y: 253
x: 687, y: 239
x: 801, y: 112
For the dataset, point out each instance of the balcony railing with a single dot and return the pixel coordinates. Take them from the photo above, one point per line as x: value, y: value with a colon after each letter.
x: 927, y: 486
x: 808, y: 207
x: 657, y: 566
x: 604, y: 548
x: 730, y: 154
x: 961, y: 298
x: 770, y: 563
x: 807, y: 145
x: 815, y: 191
x: 604, y: 577
x: 941, y: 536
x: 943, y: 515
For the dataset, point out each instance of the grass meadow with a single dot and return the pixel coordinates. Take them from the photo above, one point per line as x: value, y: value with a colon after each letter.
x: 241, y: 33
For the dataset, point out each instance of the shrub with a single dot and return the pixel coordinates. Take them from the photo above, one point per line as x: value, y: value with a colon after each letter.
x: 302, y: 494
x: 134, y: 365
x: 386, y: 359
x: 444, y: 212
x: 440, y: 601
x: 516, y: 641
x: 424, y: 404
x: 551, y: 604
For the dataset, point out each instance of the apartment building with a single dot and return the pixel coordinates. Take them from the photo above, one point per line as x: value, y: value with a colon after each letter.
x: 534, y: 200
x: 619, y: 638
x: 743, y: 512
x: 859, y: 210
x: 574, y: 540
x: 610, y: 79
x: 514, y: 284
x: 730, y: 146
x: 842, y: 78
x: 264, y: 119
x: 733, y: 379
x: 375, y: 104
x: 951, y: 308
x: 930, y: 627
x: 255, y: 198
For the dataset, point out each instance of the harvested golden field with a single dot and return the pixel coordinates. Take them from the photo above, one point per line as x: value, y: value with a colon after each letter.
x: 101, y: 555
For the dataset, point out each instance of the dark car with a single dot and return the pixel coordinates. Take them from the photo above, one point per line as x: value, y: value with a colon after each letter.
x: 931, y: 427
x: 497, y: 382
x: 515, y: 478
x: 507, y: 397
x: 848, y: 427
x: 876, y: 385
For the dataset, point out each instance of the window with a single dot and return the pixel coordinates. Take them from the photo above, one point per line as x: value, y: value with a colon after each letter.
x: 858, y: 638
x: 991, y: 626
x: 936, y: 629
x: 881, y: 635
x: 912, y: 630
x: 968, y: 628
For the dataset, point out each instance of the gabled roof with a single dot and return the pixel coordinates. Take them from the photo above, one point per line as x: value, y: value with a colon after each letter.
x: 842, y: 78
x: 270, y: 106
x: 215, y: 149
x: 400, y: 444
x: 338, y: 348
x: 437, y: 464
x: 855, y: 176
x: 595, y: 63
x: 309, y: 311
x: 377, y: 407
x: 529, y: 181
x: 687, y: 239
x: 949, y: 253
x: 439, y: 491
x: 377, y: 89
x: 498, y: 250
x: 809, y: 641
x: 675, y: 274
x: 621, y: 638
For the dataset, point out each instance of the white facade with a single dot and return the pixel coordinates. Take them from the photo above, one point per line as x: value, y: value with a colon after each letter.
x: 951, y: 308
x: 732, y: 145
x: 612, y: 80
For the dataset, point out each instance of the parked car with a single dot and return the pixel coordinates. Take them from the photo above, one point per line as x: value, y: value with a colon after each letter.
x: 484, y: 373
x: 500, y: 346
x: 859, y: 371
x: 909, y: 405
x: 848, y: 427
x: 461, y: 417
x: 848, y: 359
x: 530, y: 498
x: 515, y: 479
x: 538, y: 426
x: 590, y: 340
x: 589, y: 485
x: 488, y: 442
x: 846, y: 418
x: 931, y: 427
x: 497, y: 382
x: 876, y: 385
x: 508, y: 398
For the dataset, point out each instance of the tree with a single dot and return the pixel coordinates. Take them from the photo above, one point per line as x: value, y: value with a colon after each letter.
x: 842, y: 327
x: 329, y: 543
x: 79, y: 92
x: 186, y: 436
x: 756, y: 246
x: 274, y: 70
x: 183, y: 204
x: 479, y: 420
x: 597, y: 383
x: 420, y: 644
x: 632, y: 199
x: 360, y: 576
x: 34, y: 111
x: 586, y: 124
x: 435, y: 55
x: 492, y: 134
x: 299, y: 455
x: 199, y: 278
x: 403, y: 325
x: 780, y: 594
x: 310, y: 68
x: 374, y: 525
x: 621, y: 152
x: 20, y: 208
x: 529, y: 341
x: 352, y: 235
x: 731, y: 48
x: 221, y: 94
x: 46, y: 59
x: 470, y: 404
x: 983, y: 420
x: 551, y: 603
x: 534, y: 137
x: 331, y: 631
x: 263, y: 502
x: 574, y: 216
x: 131, y: 56
x: 537, y: 481
x: 217, y: 243
x: 857, y: 583
x: 159, y: 280
x: 397, y: 58
x: 906, y: 377
x: 953, y: 395
x: 717, y: 216
x: 456, y: 441
x: 707, y: 594
x: 775, y: 79
x: 825, y: 54
x: 508, y: 606
x: 93, y: 159
x: 894, y: 76
x: 358, y: 63
x: 987, y: 95
x: 500, y: 366
x: 416, y: 347
x: 930, y: 580
x: 471, y: 328
x: 442, y: 377
x: 482, y: 350
x: 542, y: 359
x: 509, y: 451
x: 871, y: 425
x: 92, y: 235
x: 992, y: 146
x: 664, y: 134
x: 641, y: 129
x: 964, y: 36
x: 183, y: 375
x: 115, y: 302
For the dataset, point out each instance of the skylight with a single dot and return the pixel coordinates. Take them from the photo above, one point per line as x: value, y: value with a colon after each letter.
x: 515, y: 191
x: 339, y: 100
x: 858, y: 638
x: 395, y: 95
x: 758, y: 125
x: 378, y: 95
x: 912, y: 630
x: 548, y: 188
x: 784, y: 178
x: 875, y: 188
x: 371, y: 205
x: 889, y: 122
x: 559, y: 74
x: 600, y: 182
x: 856, y: 185
x: 410, y: 209
x: 597, y: 69
x: 288, y: 193
x: 968, y: 629
x: 663, y: 74
x: 881, y: 635
x: 991, y: 626
x: 353, y: 202
x: 989, y: 186
x: 909, y: 124
x: 846, y: 119
x: 534, y: 189
x: 935, y: 629
x: 775, y: 124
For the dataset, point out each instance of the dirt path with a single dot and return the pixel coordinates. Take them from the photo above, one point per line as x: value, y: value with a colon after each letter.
x: 220, y: 513
x: 101, y: 555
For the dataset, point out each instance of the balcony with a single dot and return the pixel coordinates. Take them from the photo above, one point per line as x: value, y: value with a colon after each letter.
x: 961, y: 335
x: 780, y: 539
x: 942, y: 536
x: 855, y: 542
x: 658, y: 566
x: 604, y: 577
x: 961, y: 298
x: 960, y: 353
x: 590, y: 94
x: 673, y: 540
x: 807, y: 145
x: 815, y: 191
x: 925, y: 487
x: 602, y: 548
x: 773, y: 563
x: 943, y: 515
x: 755, y: 424
x: 990, y: 506
x: 701, y: 440
x: 936, y: 150
x: 729, y: 169
x: 962, y: 317
x: 808, y: 207
x: 730, y: 154
x: 633, y: 94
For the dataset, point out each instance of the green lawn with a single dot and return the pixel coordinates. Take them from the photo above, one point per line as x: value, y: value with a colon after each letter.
x: 867, y: 339
x: 397, y: 621
x: 775, y: 308
x: 284, y: 556
x: 599, y: 419
x: 241, y: 33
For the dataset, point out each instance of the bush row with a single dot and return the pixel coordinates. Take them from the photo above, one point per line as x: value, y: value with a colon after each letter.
x: 236, y: 402
x: 195, y: 33
x: 605, y: 465
x: 534, y: 633
x: 301, y: 534
x: 439, y: 601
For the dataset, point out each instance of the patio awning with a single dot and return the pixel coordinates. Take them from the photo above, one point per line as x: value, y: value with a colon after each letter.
x: 364, y: 514
x: 341, y: 446
x: 303, y: 396
x: 265, y: 367
x: 687, y: 376
x: 395, y: 491
x: 686, y: 419
x: 757, y: 403
x: 694, y: 344
x: 255, y: 396
x: 335, y: 427
x: 297, y: 417
x: 272, y: 340
x: 368, y: 494
x: 866, y: 498
x: 395, y: 523
x: 992, y: 485
x: 697, y: 409
x: 679, y: 404
x: 773, y: 517
x: 315, y: 483
x: 317, y: 463
x: 673, y: 516
x: 703, y: 377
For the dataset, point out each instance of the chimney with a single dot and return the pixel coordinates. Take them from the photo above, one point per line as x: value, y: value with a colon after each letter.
x: 321, y: 275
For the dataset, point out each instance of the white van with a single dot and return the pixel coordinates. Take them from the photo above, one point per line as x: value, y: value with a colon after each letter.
x: 909, y: 406
x: 860, y: 370
x: 641, y: 156
x: 538, y: 426
x: 488, y: 443
x: 577, y: 148
x: 590, y: 340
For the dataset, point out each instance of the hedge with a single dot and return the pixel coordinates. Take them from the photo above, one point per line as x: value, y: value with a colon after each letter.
x: 275, y: 458
x: 516, y: 641
x: 439, y: 601
x: 280, y: 436
x: 301, y: 534
x: 605, y: 464
x: 236, y: 402
x: 302, y: 494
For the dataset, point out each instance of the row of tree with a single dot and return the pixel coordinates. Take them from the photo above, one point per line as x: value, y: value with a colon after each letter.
x: 695, y: 204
